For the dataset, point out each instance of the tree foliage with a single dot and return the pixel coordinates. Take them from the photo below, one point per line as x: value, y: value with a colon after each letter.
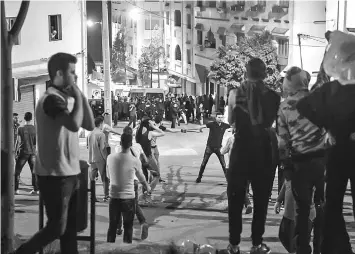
x: 152, y: 55
x: 230, y: 66
x: 120, y: 57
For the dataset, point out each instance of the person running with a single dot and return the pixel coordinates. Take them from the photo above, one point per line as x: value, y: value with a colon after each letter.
x: 57, y: 162
x: 252, y: 110
x: 146, y: 131
x: 137, y: 152
x: 25, y: 150
x: 214, y: 143
x: 121, y: 168
x: 98, y: 154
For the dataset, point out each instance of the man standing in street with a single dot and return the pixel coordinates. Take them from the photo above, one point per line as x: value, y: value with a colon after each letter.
x: 25, y: 150
x: 16, y: 125
x: 121, y: 169
x: 98, y: 154
x: 107, y: 129
x: 132, y: 115
x: 57, y: 162
x: 214, y: 143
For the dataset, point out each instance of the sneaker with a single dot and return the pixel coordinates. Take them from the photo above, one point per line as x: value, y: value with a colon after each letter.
x: 119, y: 231
x: 198, y: 180
x: 249, y: 209
x: 33, y: 192
x: 261, y: 249
x: 144, y: 234
x: 232, y: 250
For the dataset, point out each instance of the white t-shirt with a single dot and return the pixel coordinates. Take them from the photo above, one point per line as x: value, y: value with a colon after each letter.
x: 136, y: 149
x: 106, y: 129
x: 121, y: 169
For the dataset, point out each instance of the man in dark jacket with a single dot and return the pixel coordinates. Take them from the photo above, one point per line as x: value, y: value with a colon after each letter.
x: 252, y: 110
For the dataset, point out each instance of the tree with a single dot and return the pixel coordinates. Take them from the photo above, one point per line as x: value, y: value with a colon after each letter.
x: 119, y: 57
x: 7, y: 134
x: 230, y: 66
x: 152, y: 56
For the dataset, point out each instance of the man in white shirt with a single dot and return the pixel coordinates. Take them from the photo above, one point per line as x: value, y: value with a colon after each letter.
x: 107, y: 129
x: 121, y: 169
x: 137, y: 152
x: 98, y: 154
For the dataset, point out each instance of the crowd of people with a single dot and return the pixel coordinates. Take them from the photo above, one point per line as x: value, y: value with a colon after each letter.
x: 308, y: 136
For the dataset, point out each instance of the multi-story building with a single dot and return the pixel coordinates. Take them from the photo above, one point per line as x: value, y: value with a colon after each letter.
x: 198, y: 28
x: 339, y: 16
x: 50, y: 27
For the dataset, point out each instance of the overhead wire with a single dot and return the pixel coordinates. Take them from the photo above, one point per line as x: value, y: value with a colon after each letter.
x: 231, y: 36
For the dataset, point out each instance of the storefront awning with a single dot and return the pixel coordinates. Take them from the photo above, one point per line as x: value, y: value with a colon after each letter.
x: 199, y: 26
x: 201, y: 72
x: 236, y: 28
x: 256, y: 29
x: 280, y: 31
x: 221, y: 31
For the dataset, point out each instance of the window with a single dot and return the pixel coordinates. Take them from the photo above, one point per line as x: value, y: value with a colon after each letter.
x: 241, y: 3
x: 210, y: 41
x: 223, y: 39
x: 223, y: 4
x: 188, y: 19
x: 199, y: 37
x: 177, y: 18
x: 262, y: 3
x: 167, y: 50
x: 155, y: 22
x: 284, y: 3
x: 177, y: 53
x: 212, y: 4
x: 188, y: 55
x: 10, y: 23
x: 55, y: 27
x: 283, y: 47
x: 199, y: 4
x: 240, y: 36
x: 167, y: 17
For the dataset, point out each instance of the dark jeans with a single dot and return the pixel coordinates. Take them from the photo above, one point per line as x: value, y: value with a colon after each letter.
x: 20, y: 162
x: 173, y: 122
x: 246, y: 200
x: 208, y: 152
x: 139, y: 211
x: 340, y: 169
x: 118, y: 208
x: 60, y: 201
x: 308, y: 173
x: 250, y: 160
x: 132, y: 119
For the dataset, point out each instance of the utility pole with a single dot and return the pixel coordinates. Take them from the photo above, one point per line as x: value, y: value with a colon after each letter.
x: 7, y: 132
x: 106, y: 59
x: 299, y: 44
x: 84, y: 54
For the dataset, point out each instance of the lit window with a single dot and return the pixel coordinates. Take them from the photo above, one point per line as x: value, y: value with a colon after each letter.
x: 177, y: 53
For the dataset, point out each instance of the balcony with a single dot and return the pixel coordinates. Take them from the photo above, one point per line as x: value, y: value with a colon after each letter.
x: 277, y: 12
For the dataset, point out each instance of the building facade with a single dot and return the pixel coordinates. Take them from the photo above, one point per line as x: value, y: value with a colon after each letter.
x: 50, y: 27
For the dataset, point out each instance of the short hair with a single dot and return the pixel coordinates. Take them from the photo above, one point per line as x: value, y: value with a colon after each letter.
x: 292, y: 71
x: 256, y: 69
x: 98, y: 120
x: 128, y: 130
x: 126, y: 140
x: 28, y: 116
x: 60, y: 62
x: 158, y: 119
x: 219, y: 114
x: 14, y: 114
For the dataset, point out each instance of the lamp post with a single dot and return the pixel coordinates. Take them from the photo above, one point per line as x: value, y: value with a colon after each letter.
x: 106, y: 58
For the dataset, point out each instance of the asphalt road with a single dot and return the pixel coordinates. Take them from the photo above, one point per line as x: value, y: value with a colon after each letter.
x: 182, y: 210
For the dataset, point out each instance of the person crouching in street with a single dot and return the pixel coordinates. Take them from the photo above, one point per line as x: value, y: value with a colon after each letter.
x: 252, y: 110
x: 121, y: 168
x: 98, y: 154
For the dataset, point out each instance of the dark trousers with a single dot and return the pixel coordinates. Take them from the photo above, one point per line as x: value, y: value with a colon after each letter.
x: 208, y: 152
x: 308, y: 173
x: 118, y: 208
x: 139, y: 211
x: 246, y: 200
x: 250, y: 160
x: 60, y: 201
x: 115, y: 117
x: 20, y: 163
x: 132, y: 120
x: 173, y: 122
x: 340, y: 169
